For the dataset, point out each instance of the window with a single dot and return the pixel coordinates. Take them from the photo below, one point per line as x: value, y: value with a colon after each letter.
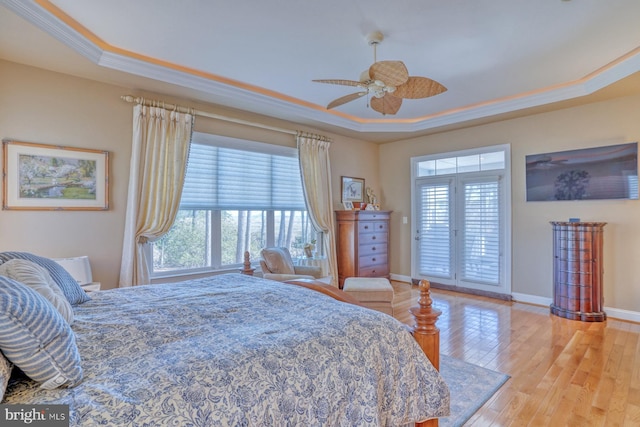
x: 238, y: 196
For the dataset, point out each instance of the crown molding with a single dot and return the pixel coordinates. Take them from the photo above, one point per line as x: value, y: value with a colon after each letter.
x: 268, y: 103
x: 55, y: 27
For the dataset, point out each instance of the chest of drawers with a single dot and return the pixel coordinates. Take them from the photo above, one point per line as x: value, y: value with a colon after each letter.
x: 362, y: 244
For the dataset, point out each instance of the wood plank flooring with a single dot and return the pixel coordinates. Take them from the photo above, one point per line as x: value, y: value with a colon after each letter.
x: 563, y: 372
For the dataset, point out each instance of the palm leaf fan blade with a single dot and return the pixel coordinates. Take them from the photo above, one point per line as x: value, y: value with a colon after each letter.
x: 342, y: 82
x: 388, y: 104
x: 419, y: 87
x: 345, y: 99
x: 392, y: 73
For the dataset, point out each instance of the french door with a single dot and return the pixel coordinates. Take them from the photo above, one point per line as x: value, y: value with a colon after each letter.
x: 461, y: 219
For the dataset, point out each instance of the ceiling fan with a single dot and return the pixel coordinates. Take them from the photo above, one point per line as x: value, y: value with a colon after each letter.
x: 388, y: 82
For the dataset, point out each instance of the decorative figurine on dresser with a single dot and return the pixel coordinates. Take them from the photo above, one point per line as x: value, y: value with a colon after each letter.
x: 363, y: 244
x: 577, y: 271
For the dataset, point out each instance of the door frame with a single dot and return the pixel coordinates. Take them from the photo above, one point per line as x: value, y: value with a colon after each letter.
x: 506, y: 287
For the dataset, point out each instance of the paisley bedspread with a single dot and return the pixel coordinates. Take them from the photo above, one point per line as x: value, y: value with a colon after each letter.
x: 234, y: 350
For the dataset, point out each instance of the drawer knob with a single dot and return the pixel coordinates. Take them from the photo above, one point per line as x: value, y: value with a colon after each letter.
x: 373, y: 248
x: 373, y: 259
x: 366, y: 227
x: 373, y: 238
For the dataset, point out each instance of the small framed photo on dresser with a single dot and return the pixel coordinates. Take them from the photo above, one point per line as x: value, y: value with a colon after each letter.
x: 352, y: 189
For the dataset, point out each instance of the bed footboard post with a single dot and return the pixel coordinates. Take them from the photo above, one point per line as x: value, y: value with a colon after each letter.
x: 426, y: 333
x: 248, y: 270
x: 425, y: 330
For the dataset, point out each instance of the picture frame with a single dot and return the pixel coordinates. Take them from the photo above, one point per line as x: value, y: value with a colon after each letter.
x: 52, y: 177
x: 352, y: 189
x: 348, y: 206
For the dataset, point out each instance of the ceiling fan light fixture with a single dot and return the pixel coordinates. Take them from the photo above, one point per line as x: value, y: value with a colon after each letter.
x: 384, y: 78
x: 364, y: 76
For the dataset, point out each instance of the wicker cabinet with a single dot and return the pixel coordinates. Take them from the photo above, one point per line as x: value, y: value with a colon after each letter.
x: 362, y: 244
x: 577, y: 271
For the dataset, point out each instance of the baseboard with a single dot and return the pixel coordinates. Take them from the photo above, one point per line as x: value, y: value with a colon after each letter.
x: 531, y: 299
x: 612, y: 313
x: 622, y: 314
x: 400, y: 278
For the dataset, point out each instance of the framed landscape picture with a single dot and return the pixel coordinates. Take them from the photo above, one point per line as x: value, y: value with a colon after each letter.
x: 50, y: 177
x: 609, y: 172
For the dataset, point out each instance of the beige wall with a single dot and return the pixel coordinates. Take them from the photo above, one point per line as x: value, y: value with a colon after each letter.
x: 604, y: 123
x: 51, y: 108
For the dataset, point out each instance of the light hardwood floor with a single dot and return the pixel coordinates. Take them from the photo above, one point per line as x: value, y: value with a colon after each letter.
x: 563, y: 372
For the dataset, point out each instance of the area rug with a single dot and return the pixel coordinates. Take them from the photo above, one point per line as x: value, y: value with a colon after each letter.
x: 470, y: 387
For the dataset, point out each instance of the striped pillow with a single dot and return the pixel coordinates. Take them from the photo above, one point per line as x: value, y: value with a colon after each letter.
x: 71, y: 289
x: 35, y: 337
x: 5, y: 374
x: 37, y: 278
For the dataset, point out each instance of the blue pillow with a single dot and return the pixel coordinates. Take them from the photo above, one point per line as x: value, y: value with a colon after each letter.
x: 70, y: 287
x: 35, y: 337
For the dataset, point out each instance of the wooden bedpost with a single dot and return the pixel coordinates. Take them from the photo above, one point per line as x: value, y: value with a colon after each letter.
x: 426, y: 333
x: 247, y: 265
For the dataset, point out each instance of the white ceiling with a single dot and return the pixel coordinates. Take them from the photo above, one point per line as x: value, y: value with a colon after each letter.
x: 496, y: 57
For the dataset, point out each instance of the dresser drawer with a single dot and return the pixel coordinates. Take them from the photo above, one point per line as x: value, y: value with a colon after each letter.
x: 368, y: 260
x: 380, y: 270
x: 373, y: 248
x: 372, y: 227
x: 372, y: 238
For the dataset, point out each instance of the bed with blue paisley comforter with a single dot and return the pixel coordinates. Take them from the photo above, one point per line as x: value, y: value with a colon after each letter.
x: 235, y: 350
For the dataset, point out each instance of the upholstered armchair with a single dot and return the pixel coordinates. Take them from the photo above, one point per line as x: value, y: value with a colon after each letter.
x: 277, y: 264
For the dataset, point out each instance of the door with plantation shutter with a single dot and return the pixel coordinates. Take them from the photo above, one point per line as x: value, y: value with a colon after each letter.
x: 461, y: 225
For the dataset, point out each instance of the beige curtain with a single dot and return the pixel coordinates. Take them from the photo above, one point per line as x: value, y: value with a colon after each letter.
x: 315, y: 168
x: 159, y: 153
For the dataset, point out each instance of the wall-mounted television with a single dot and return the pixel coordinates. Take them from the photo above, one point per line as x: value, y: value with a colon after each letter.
x: 609, y: 172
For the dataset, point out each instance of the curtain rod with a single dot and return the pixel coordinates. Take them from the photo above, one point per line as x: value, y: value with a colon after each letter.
x: 151, y: 103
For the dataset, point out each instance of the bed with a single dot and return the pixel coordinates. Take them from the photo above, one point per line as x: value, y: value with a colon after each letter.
x: 237, y: 350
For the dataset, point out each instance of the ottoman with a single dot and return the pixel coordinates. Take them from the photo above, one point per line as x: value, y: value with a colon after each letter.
x: 373, y: 292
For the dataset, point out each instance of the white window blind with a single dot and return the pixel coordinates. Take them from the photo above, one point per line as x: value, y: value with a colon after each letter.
x: 237, y: 179
x: 481, y: 231
x: 435, y: 235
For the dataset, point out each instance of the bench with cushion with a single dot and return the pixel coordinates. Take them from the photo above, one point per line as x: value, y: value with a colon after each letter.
x: 372, y: 292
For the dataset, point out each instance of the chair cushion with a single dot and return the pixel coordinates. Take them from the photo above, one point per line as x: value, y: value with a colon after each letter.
x: 278, y: 260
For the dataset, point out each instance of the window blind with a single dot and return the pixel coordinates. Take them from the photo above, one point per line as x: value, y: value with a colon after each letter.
x: 225, y: 178
x: 435, y: 235
x: 481, y: 240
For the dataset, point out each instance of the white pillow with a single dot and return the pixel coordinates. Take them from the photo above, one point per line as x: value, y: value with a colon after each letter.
x: 38, y: 279
x: 70, y: 288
